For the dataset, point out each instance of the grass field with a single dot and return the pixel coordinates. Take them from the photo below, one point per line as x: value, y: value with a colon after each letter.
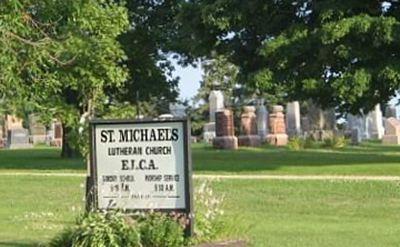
x: 266, y: 212
x: 367, y: 159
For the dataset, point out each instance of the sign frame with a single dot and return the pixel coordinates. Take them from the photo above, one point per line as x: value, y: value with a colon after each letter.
x: 91, y: 182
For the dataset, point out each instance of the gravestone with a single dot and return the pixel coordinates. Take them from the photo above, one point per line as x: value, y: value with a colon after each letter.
x: 166, y: 116
x: 376, y: 129
x: 306, y: 125
x: 225, y: 131
x: 293, y: 119
x: 356, y: 136
x: 37, y: 129
x: 248, y: 129
x: 390, y: 111
x: 277, y: 130
x: 262, y: 120
x: 177, y: 110
x: 11, y: 122
x: 322, y: 122
x: 355, y: 122
x: 392, y: 131
x: 216, y: 103
x: 57, y: 134
x: 18, y: 138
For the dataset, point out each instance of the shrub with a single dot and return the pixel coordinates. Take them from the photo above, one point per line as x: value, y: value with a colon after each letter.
x: 146, y: 229
x: 208, y: 212
x: 296, y: 143
x: 335, y: 142
x: 99, y: 229
x: 160, y: 230
x: 309, y: 142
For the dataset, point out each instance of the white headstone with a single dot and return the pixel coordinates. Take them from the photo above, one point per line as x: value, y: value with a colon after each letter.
x: 365, y: 133
x: 293, y: 118
x: 356, y: 136
x: 355, y: 122
x: 216, y: 101
x: 376, y: 129
x: 262, y: 119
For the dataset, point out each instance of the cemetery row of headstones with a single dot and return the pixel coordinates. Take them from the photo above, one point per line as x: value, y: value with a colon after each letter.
x: 13, y: 135
x: 258, y: 126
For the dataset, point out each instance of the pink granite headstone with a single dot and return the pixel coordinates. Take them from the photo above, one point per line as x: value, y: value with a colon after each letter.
x: 224, y: 128
x: 277, y: 129
x: 249, y: 135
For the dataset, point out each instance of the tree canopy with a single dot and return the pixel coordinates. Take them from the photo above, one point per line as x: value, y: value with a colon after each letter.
x: 60, y: 56
x: 341, y: 54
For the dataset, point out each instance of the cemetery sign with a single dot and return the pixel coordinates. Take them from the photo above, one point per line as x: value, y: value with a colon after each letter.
x: 141, y: 165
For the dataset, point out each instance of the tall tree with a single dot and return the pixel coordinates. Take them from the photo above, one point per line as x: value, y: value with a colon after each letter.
x: 345, y: 54
x: 340, y: 53
x: 60, y: 56
x: 147, y: 45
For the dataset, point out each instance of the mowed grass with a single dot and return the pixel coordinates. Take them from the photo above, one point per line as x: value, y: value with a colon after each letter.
x: 367, y: 159
x: 265, y: 212
x: 313, y: 213
x: 34, y: 208
x: 42, y: 159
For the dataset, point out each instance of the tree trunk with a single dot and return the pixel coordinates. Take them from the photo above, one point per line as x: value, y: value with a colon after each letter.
x: 67, y: 151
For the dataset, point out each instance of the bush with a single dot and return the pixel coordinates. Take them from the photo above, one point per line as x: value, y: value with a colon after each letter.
x: 99, y: 229
x: 335, y: 142
x: 296, y: 143
x: 309, y: 142
x: 208, y: 212
x: 146, y: 229
x: 160, y: 230
x: 114, y: 229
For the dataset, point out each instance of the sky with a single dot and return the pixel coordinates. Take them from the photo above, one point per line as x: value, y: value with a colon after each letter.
x: 190, y: 80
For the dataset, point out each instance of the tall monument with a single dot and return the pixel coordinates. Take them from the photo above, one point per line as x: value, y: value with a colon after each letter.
x: 216, y: 104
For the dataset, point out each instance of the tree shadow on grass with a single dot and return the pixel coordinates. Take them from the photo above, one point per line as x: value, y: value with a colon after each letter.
x: 38, y: 159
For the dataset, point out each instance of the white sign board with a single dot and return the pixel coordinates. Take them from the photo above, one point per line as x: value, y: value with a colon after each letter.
x: 141, y: 165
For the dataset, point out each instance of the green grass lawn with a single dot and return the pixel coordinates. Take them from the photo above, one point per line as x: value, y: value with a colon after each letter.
x: 367, y: 159
x: 267, y: 213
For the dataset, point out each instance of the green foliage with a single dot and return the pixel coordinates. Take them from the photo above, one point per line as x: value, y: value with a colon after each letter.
x: 335, y: 142
x: 208, y: 212
x: 218, y: 74
x: 160, y: 230
x: 151, y: 229
x: 99, y: 229
x: 59, y: 57
x: 340, y: 54
x: 309, y: 142
x: 296, y: 143
x: 63, y: 239
x: 147, y: 44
